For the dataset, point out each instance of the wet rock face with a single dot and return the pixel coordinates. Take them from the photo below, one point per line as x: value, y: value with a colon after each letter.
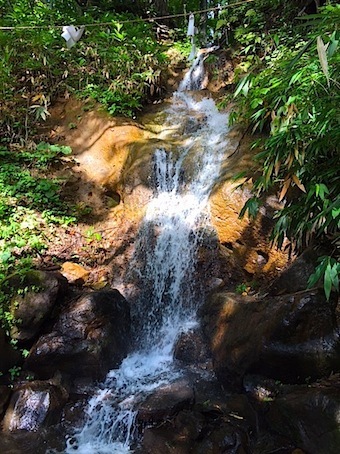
x: 295, y: 278
x: 247, y: 242
x: 191, y: 348
x: 166, y: 401
x: 34, y: 405
x: 34, y: 306
x: 90, y: 337
x: 289, y: 338
x: 309, y: 416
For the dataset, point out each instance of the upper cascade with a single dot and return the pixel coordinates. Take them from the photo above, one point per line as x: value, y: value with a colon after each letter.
x: 195, y: 78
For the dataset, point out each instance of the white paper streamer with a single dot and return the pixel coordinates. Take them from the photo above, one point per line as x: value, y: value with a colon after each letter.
x: 191, y: 25
x: 71, y: 35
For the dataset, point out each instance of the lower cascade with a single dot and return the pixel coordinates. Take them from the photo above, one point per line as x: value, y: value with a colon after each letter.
x: 165, y: 263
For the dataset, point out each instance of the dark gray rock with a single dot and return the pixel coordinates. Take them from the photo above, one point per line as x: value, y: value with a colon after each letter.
x: 295, y: 277
x: 5, y: 393
x: 34, y: 305
x: 90, y: 336
x: 215, y: 424
x: 9, y: 356
x: 191, y: 348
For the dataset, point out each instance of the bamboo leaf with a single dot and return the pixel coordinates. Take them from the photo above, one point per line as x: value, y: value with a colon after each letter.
x: 284, y: 189
x: 335, y: 277
x: 327, y: 283
x: 323, y: 57
x: 298, y: 183
x: 277, y: 167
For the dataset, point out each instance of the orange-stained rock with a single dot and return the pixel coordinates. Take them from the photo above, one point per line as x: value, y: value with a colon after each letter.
x: 248, y: 239
x: 74, y: 273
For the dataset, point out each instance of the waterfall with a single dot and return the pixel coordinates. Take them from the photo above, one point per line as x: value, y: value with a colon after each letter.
x: 165, y: 263
x: 194, y: 78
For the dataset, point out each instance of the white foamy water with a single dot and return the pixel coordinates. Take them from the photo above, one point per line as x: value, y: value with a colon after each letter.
x: 168, y: 240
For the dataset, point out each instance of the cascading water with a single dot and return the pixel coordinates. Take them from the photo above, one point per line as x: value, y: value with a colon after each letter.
x: 194, y: 78
x: 168, y: 240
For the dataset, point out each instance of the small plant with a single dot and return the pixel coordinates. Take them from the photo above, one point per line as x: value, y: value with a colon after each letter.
x: 82, y: 209
x: 242, y: 289
x: 14, y: 372
x: 25, y: 353
x: 91, y: 235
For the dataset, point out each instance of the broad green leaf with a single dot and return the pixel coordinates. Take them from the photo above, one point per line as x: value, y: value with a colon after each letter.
x: 256, y: 102
x: 252, y: 206
x: 328, y: 281
x: 221, y: 23
x: 335, y: 213
x: 240, y: 87
x: 295, y: 77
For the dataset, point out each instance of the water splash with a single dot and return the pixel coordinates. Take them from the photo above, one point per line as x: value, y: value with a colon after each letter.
x: 165, y: 263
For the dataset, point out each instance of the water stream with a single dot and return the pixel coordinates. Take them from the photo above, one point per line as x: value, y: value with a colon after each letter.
x: 165, y: 263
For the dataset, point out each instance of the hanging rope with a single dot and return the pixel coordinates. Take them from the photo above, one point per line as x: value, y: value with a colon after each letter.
x: 148, y: 19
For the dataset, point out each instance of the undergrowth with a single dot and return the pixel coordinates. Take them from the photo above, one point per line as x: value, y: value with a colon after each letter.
x: 31, y: 207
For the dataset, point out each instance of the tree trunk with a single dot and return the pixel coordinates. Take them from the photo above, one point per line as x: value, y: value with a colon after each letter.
x: 203, y: 21
x: 161, y: 7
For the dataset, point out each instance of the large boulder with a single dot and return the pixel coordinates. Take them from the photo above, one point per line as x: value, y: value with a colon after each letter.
x: 90, y: 337
x: 37, y: 293
x: 191, y: 348
x: 289, y: 338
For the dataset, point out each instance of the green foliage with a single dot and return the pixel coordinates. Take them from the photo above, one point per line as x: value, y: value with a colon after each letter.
x: 14, y: 372
x: 245, y: 288
x: 251, y: 206
x: 288, y: 89
x: 117, y: 65
x: 241, y: 288
x: 329, y: 271
x: 294, y: 99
